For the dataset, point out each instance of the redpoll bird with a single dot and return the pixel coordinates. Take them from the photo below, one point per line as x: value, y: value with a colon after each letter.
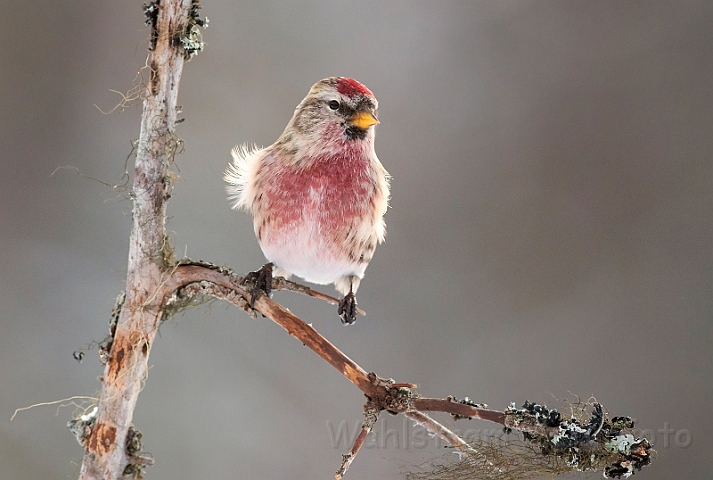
x: 319, y: 193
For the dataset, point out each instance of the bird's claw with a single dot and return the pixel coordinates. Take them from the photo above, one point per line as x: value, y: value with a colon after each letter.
x: 347, y: 309
x: 261, y: 281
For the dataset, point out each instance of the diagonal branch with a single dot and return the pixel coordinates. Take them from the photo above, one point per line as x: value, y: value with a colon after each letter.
x: 222, y: 283
x: 231, y: 290
x: 540, y: 425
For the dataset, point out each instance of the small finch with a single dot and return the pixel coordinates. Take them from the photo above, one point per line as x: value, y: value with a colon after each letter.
x: 319, y: 193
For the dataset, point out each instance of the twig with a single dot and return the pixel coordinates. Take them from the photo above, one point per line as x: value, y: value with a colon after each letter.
x: 455, y: 408
x: 279, y: 283
x: 348, y: 458
x: 440, y: 430
x: 371, y: 415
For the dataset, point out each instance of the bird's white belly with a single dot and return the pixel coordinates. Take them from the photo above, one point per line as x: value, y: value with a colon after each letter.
x: 304, y: 251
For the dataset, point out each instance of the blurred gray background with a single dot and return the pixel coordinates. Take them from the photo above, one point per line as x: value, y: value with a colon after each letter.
x: 550, y: 228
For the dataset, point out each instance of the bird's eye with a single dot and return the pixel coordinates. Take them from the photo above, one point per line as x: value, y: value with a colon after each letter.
x: 334, y: 104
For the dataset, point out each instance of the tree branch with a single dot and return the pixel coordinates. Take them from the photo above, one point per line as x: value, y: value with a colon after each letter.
x: 190, y: 279
x: 149, y: 257
x: 231, y: 290
x: 555, y: 437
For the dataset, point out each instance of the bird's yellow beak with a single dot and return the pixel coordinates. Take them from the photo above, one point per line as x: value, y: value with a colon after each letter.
x: 363, y: 120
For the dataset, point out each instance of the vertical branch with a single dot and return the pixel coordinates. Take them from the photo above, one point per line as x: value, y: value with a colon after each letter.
x: 106, y: 455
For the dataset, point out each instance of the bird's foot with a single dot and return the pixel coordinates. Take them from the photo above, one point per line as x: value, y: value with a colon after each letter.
x: 347, y: 309
x: 259, y: 281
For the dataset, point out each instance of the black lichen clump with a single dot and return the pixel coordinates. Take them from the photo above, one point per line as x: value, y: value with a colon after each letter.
x: 551, y: 418
x: 151, y: 12
x: 586, y: 444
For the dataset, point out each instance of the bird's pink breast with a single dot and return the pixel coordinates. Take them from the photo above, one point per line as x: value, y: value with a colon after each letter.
x: 332, y: 190
x: 311, y: 210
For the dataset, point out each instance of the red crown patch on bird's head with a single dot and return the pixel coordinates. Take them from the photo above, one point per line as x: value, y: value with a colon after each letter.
x: 351, y: 88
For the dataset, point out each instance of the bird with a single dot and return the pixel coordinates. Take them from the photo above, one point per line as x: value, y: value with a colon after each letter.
x: 318, y: 195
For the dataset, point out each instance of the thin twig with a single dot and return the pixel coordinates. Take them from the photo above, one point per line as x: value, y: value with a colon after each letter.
x: 455, y: 408
x: 348, y: 458
x: 440, y: 430
x: 279, y: 283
